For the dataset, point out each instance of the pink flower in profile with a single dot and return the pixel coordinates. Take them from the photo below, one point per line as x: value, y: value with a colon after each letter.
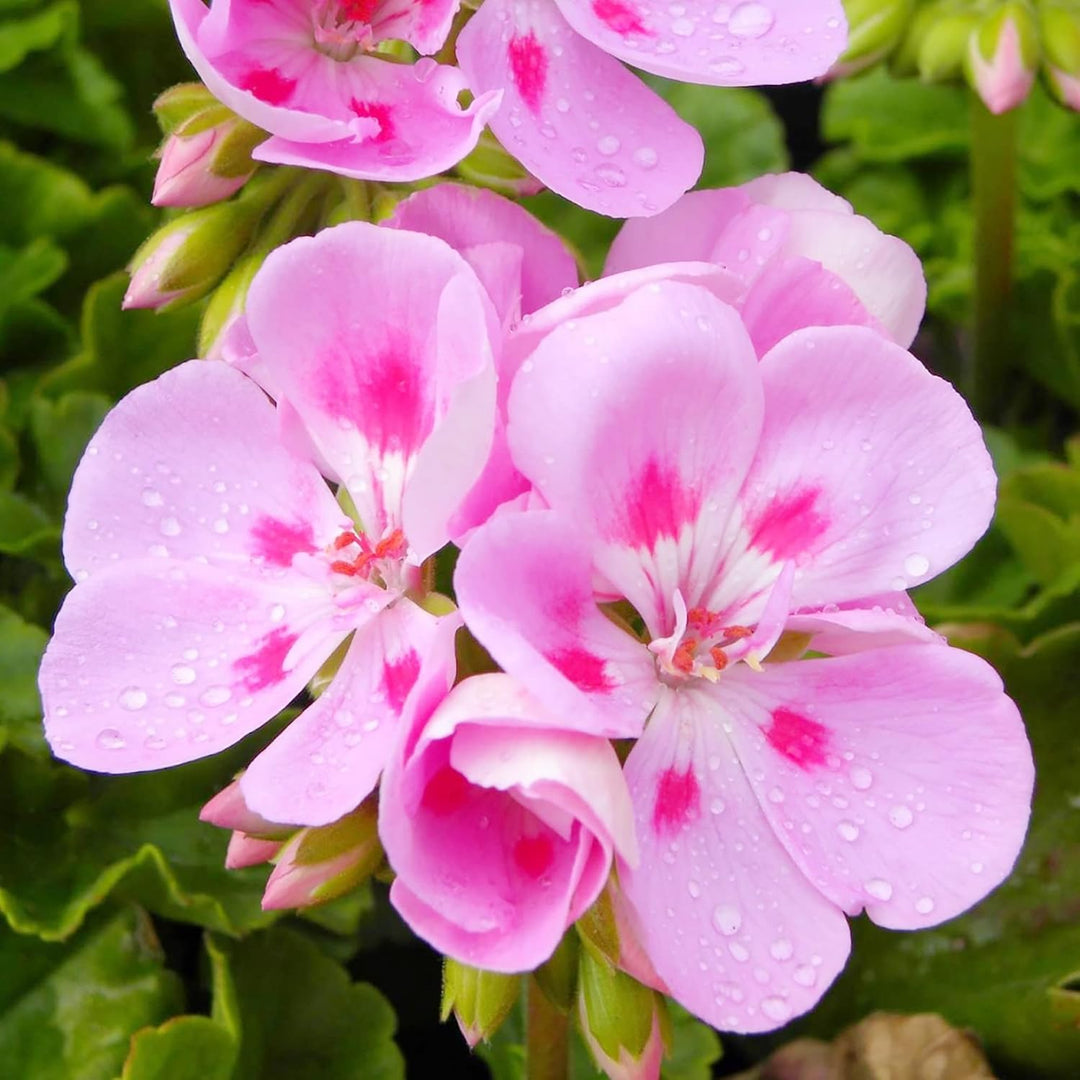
x: 804, y: 257
x: 587, y: 127
x: 309, y: 73
x: 720, y: 502
x: 217, y: 572
x: 500, y: 821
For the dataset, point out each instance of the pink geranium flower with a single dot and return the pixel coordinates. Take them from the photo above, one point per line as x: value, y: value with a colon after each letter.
x: 725, y: 502
x: 802, y: 254
x: 585, y: 126
x: 216, y: 570
x: 500, y: 821
x: 310, y: 73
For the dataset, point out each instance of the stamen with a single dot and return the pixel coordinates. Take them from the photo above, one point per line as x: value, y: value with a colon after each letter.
x: 719, y: 658
x: 683, y: 658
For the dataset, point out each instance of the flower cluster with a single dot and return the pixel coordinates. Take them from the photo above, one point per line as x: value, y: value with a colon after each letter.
x: 689, y: 499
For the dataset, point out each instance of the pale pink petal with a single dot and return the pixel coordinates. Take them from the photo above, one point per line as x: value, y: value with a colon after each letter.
x: 512, y: 798
x: 732, y: 926
x: 468, y: 218
x: 524, y: 583
x: 736, y: 44
x: 373, y: 381
x: 871, y: 473
x: 329, y: 758
x: 865, y: 626
x: 793, y: 191
x: 881, y: 270
x: 406, y: 124
x: 191, y: 466
x: 899, y: 779
x: 688, y: 231
x: 156, y: 663
x: 618, y: 419
x: 574, y: 117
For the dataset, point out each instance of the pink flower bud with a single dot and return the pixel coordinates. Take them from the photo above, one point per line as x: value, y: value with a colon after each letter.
x: 186, y: 175
x: 1002, y: 58
x: 145, y: 289
x: 228, y: 810
x: 247, y: 850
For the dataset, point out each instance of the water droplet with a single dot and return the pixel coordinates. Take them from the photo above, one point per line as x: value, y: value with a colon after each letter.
x: 562, y: 105
x: 150, y: 497
x: 861, y: 778
x: 133, y: 698
x: 901, y: 816
x: 646, y: 157
x: 866, y: 446
x: 776, y: 795
x: 977, y: 868
x: 739, y: 952
x: 277, y: 613
x: 848, y: 831
x: 726, y: 65
x: 751, y: 20
x: 716, y: 806
x: 170, y: 526
x: 878, y: 888
x: 579, y: 154
x: 215, y: 695
x: 924, y: 905
x: 155, y: 742
x: 183, y: 675
x: 916, y: 565
x: 110, y: 739
x: 776, y: 1009
x: 694, y: 889
x: 781, y: 949
x: 764, y: 235
x: 804, y: 975
x: 221, y: 526
x: 727, y: 919
x: 611, y: 174
x: 608, y: 145
x: 682, y: 27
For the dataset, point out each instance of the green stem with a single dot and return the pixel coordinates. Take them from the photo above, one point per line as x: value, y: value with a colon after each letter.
x: 993, y: 174
x: 547, y: 1033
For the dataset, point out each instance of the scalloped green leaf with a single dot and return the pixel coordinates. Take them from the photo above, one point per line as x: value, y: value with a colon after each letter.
x: 21, y: 646
x: 67, y: 1012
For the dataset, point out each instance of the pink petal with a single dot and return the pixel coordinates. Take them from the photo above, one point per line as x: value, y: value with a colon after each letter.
x: 404, y: 123
x: 871, y: 473
x: 524, y: 583
x: 328, y: 760
x: 575, y: 118
x: 614, y: 419
x: 157, y: 663
x: 374, y: 383
x: 793, y: 191
x: 731, y: 925
x: 191, y: 466
x: 513, y: 798
x: 741, y: 44
x: 866, y: 626
x: 468, y: 218
x: 914, y: 800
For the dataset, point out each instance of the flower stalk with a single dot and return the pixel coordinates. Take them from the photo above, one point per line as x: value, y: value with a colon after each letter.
x: 547, y: 1037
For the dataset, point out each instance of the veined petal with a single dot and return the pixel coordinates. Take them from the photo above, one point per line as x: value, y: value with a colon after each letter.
x: 735, y: 931
x: 899, y: 779
x: 156, y: 662
x: 373, y: 382
x: 524, y: 583
x: 702, y: 41
x: 871, y: 474
x: 191, y: 466
x: 328, y: 760
x: 574, y: 117
x: 617, y: 420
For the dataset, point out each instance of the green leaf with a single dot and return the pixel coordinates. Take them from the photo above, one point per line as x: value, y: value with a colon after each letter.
x: 60, y: 431
x: 25, y: 529
x: 67, y: 1012
x: 25, y: 273
x: 42, y: 30
x: 73, y: 839
x: 695, y: 1047
x: 123, y: 348
x: 183, y: 1048
x: 299, y: 1014
x: 1009, y: 968
x: 21, y: 646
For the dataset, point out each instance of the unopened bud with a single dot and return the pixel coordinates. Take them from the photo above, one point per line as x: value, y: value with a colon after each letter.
x: 228, y: 810
x: 1003, y: 56
x: 905, y: 59
x: 180, y: 103
x: 247, y: 850
x: 875, y: 28
x: 322, y: 863
x: 186, y: 258
x: 490, y: 166
x: 1060, y: 26
x: 206, y: 159
x: 943, y: 48
x: 480, y: 1000
x: 226, y: 306
x: 622, y: 1021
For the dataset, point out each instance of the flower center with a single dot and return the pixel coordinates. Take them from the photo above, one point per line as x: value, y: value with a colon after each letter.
x: 342, y: 28
x: 701, y: 647
x: 381, y: 563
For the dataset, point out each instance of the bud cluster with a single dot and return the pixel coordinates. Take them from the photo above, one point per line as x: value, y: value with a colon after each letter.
x: 997, y: 46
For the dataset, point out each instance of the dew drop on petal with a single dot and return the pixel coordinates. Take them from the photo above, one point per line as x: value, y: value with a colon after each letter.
x: 646, y: 157
x: 901, y: 816
x: 916, y: 565
x: 727, y: 919
x: 170, y: 526
x: 608, y: 145
x: 924, y: 905
x: 848, y: 831
x: 879, y: 889
x: 215, y: 695
x: 110, y: 739
x: 861, y: 778
x: 132, y: 698
x: 776, y: 1008
x: 751, y: 20
x: 781, y: 949
x: 804, y: 975
x: 183, y: 675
